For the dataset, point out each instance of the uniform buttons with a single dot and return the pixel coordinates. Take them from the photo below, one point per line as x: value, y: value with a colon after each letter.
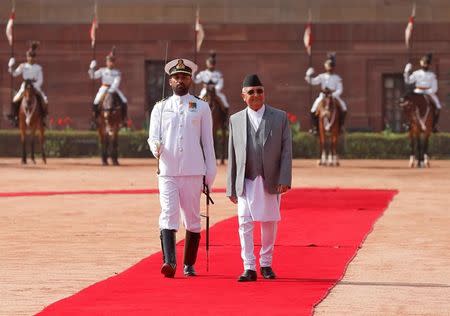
x: 181, y: 149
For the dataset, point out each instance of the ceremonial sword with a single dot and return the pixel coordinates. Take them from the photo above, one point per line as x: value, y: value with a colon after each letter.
x: 208, y: 200
x: 161, y: 113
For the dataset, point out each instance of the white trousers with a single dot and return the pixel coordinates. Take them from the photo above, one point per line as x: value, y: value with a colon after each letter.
x: 432, y: 95
x: 268, y: 236
x: 320, y: 98
x: 222, y: 97
x: 19, y: 93
x: 180, y: 196
x: 103, y: 90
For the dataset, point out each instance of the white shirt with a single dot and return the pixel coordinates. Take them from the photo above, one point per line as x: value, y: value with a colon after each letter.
x: 110, y: 77
x: 185, y: 134
x: 255, y: 117
x: 207, y: 75
x: 327, y: 80
x: 30, y: 71
x: 425, y: 81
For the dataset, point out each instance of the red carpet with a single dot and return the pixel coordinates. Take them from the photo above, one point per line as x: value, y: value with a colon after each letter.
x: 320, y: 233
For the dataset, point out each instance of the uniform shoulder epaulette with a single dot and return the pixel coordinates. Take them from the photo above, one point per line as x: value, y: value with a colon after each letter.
x: 197, y: 97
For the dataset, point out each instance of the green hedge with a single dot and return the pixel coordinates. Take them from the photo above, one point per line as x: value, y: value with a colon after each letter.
x: 134, y: 144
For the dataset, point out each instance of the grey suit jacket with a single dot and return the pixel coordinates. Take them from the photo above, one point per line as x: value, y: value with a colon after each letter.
x: 277, y: 153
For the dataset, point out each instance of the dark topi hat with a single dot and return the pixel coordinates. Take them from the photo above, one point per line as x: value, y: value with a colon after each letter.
x: 180, y: 65
x: 32, y: 51
x: 251, y: 81
x: 212, y: 58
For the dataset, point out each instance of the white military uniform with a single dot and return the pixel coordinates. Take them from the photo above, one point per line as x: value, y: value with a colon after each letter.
x: 215, y: 76
x: 257, y: 205
x: 425, y: 82
x: 330, y: 81
x: 29, y: 72
x: 184, y: 131
x: 110, y: 82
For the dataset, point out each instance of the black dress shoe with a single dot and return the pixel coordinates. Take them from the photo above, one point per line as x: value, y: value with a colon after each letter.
x: 248, y: 276
x: 267, y: 273
x: 169, y: 269
x: 189, y: 270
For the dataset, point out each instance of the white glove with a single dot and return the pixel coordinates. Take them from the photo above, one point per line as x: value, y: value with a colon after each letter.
x: 93, y: 64
x: 408, y: 68
x: 11, y: 62
x: 309, y: 72
x: 335, y: 94
x: 111, y: 90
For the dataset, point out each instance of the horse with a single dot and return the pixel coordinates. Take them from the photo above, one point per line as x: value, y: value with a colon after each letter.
x: 31, y: 118
x: 108, y: 125
x: 418, y: 110
x: 328, y: 113
x: 219, y: 116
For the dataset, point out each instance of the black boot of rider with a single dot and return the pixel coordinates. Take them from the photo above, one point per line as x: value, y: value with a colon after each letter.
x: 169, y: 266
x: 342, y: 120
x: 437, y: 112
x: 94, y: 117
x: 14, y: 115
x: 314, y: 123
x: 191, y: 244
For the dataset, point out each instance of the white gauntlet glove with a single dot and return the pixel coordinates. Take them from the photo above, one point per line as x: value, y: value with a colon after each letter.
x: 93, y: 64
x: 309, y: 72
x: 11, y: 62
x: 408, y: 68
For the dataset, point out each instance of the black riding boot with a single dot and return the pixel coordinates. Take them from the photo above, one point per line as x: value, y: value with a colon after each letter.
x: 342, y: 120
x: 191, y: 244
x: 14, y: 115
x: 314, y: 123
x: 124, y: 114
x: 168, y: 248
x: 437, y: 112
x: 95, y: 113
x: 43, y: 108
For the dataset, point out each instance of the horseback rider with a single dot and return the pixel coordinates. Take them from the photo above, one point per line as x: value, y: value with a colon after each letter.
x: 328, y: 80
x: 111, y: 78
x: 425, y: 83
x: 29, y: 71
x: 212, y: 76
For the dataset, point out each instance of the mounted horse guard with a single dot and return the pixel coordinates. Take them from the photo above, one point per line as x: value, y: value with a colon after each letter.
x: 211, y: 92
x: 109, y: 109
x: 328, y: 111
x: 421, y: 109
x: 32, y: 72
x: 331, y: 81
x: 111, y: 78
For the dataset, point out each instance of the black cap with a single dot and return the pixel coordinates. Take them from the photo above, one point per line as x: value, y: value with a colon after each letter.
x: 32, y: 51
x: 331, y: 59
x: 427, y: 58
x: 251, y: 81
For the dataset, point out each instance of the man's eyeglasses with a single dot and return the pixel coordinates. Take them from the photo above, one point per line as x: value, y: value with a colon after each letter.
x: 253, y: 91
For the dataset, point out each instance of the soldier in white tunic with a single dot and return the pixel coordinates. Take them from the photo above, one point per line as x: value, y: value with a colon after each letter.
x: 327, y: 80
x: 213, y: 76
x: 29, y: 71
x: 259, y: 171
x: 111, y: 78
x: 425, y: 83
x: 180, y: 136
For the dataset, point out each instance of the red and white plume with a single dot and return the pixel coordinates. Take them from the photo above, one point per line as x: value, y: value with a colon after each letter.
x: 307, y: 36
x: 410, y: 26
x: 10, y: 27
x: 94, y: 27
x: 199, y: 30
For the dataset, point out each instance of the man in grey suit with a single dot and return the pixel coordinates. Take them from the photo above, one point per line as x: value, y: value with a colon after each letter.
x: 259, y: 171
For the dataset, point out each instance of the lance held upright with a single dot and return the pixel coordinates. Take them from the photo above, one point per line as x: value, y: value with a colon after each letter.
x: 180, y: 136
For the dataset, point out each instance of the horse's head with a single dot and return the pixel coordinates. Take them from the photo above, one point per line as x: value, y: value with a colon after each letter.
x: 210, y: 88
x: 110, y: 113
x: 29, y: 95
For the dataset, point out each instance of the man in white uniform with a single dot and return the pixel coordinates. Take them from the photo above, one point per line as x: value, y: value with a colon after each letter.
x: 259, y: 171
x: 180, y: 136
x: 425, y: 83
x: 111, y: 78
x: 29, y: 71
x: 327, y: 80
x: 213, y: 76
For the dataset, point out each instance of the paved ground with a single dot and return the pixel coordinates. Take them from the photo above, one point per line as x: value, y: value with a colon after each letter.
x: 53, y: 246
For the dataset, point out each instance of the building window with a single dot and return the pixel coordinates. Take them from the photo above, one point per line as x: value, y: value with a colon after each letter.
x: 393, y: 90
